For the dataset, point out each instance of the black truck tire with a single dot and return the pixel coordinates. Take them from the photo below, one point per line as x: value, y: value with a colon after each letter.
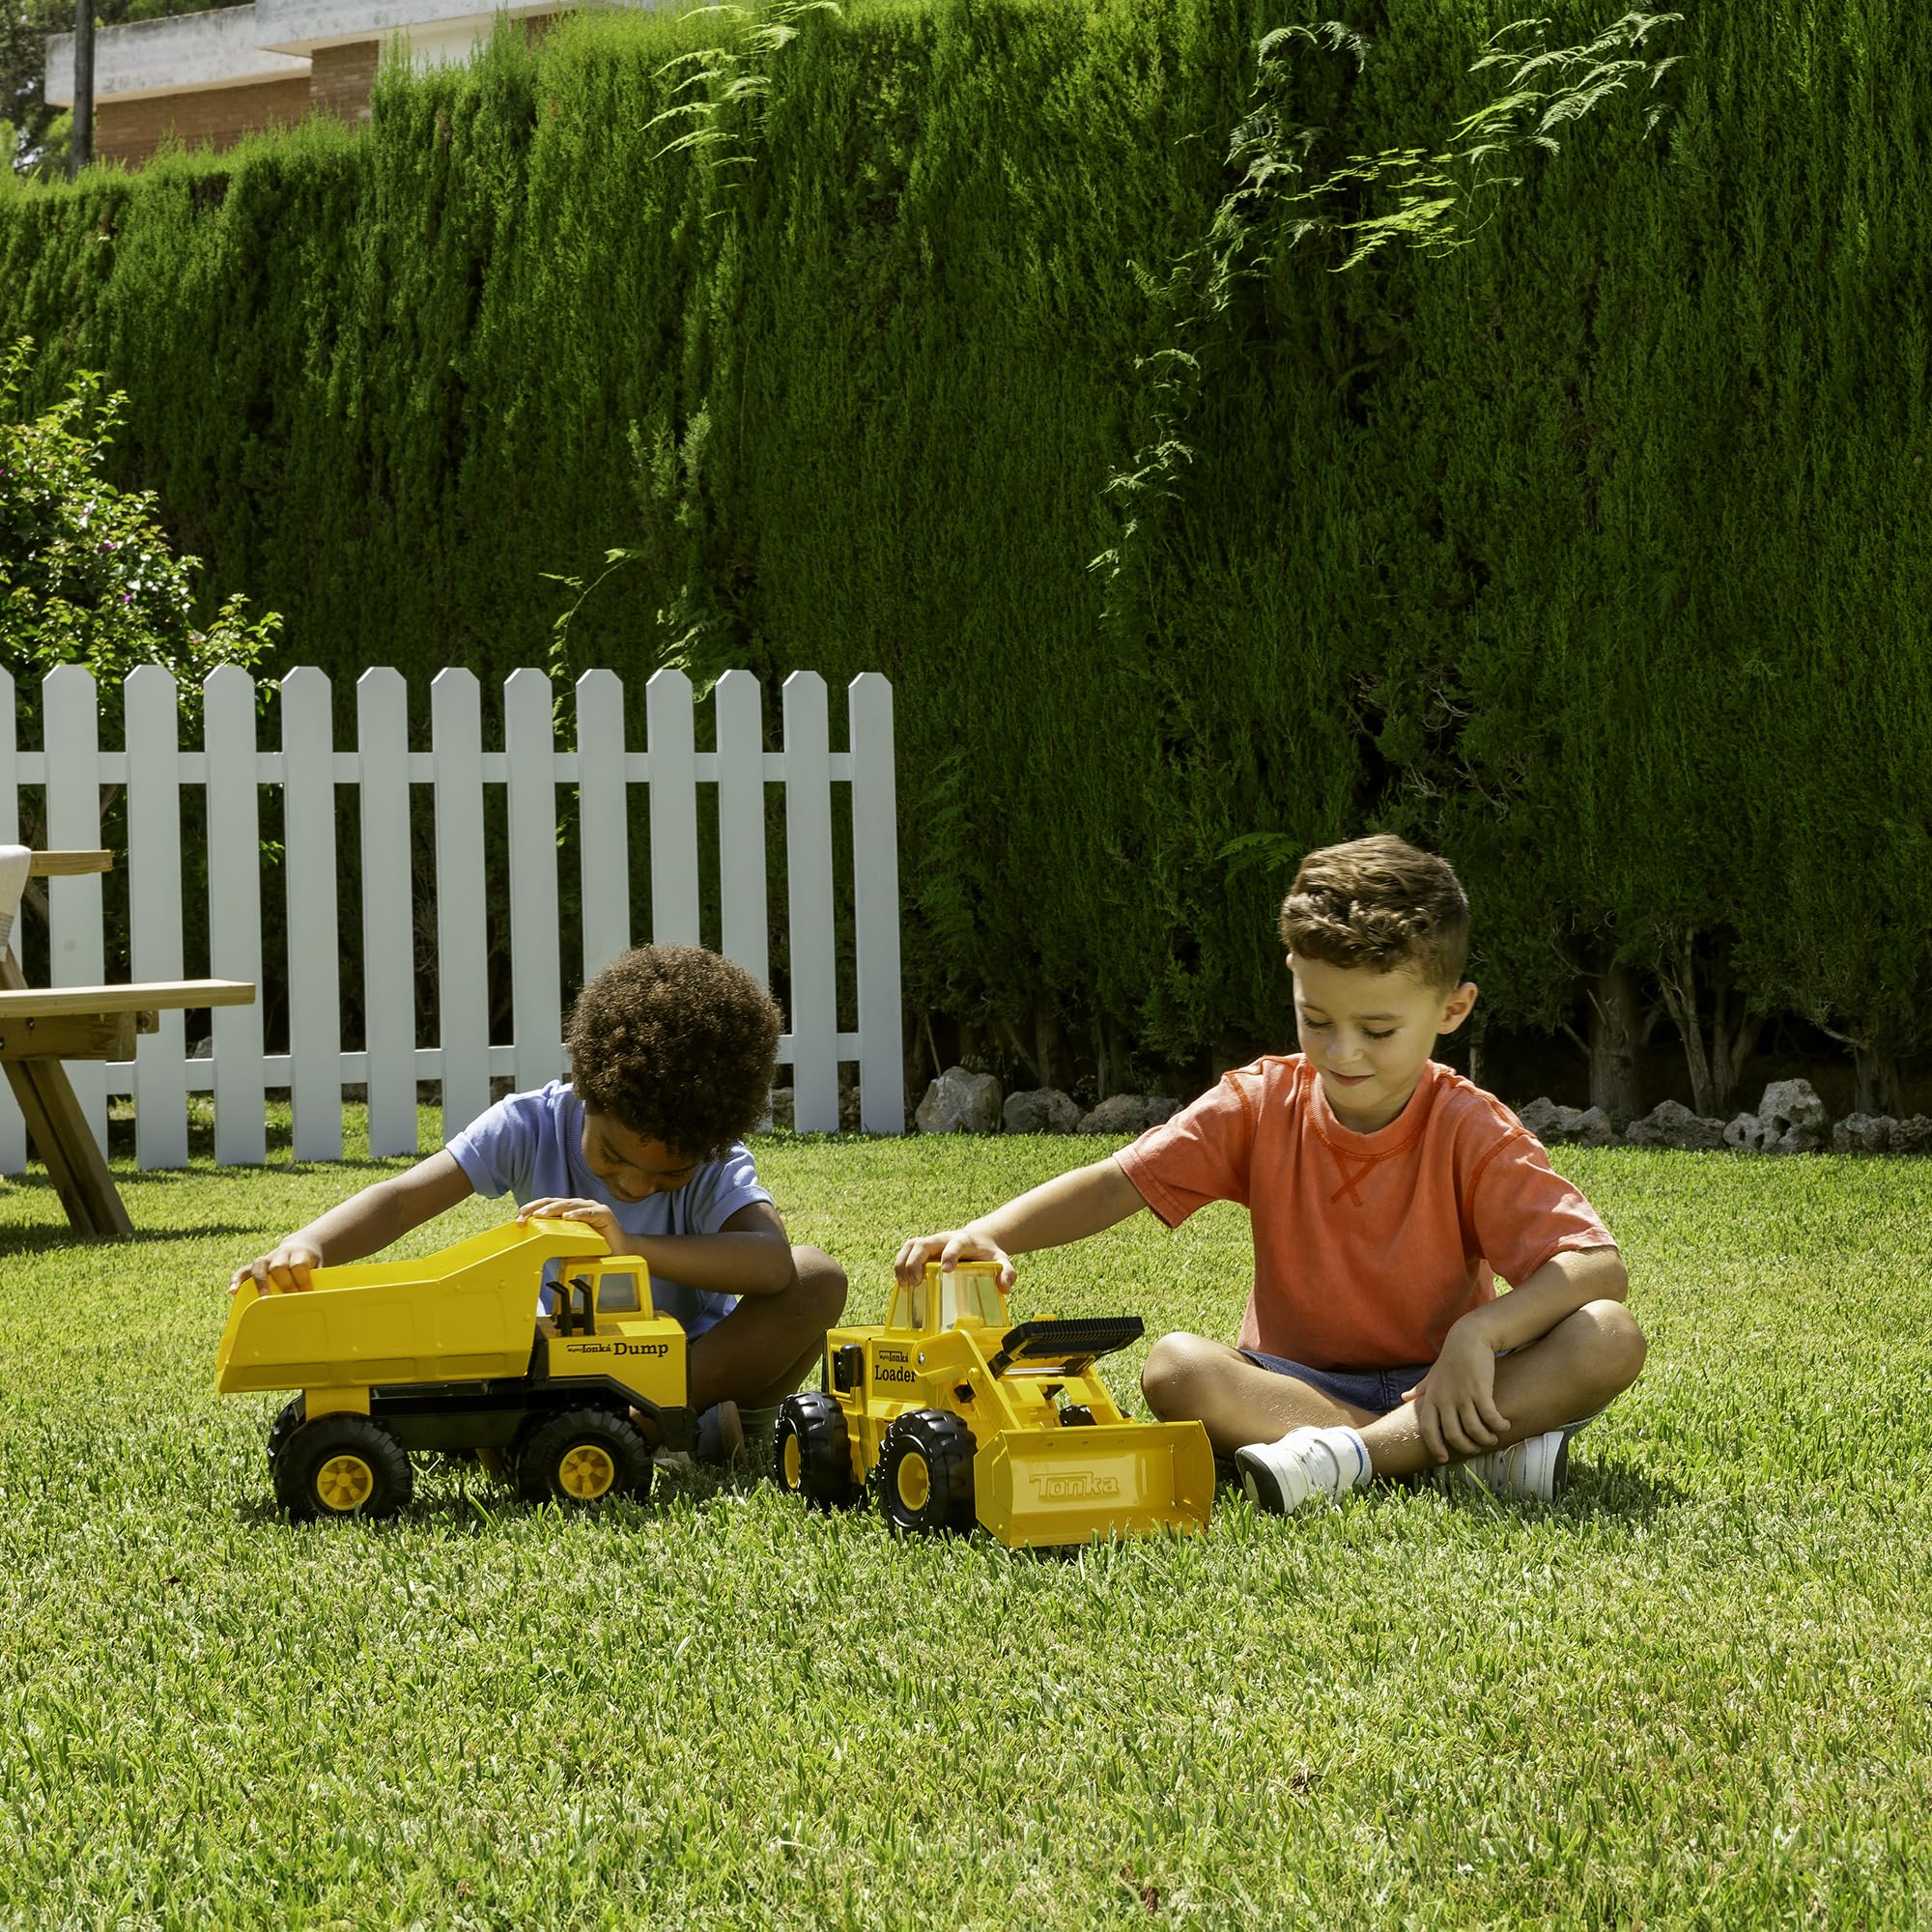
x: 294, y: 1414
x: 923, y: 1478
x: 341, y: 1464
x: 813, y: 1457
x: 582, y: 1455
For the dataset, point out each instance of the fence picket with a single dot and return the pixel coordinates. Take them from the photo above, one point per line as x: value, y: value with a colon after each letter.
x: 388, y: 910
x: 309, y: 869
x: 235, y: 912
x: 152, y: 711
x: 741, y: 823
x: 815, y: 995
x: 875, y: 882
x: 602, y: 821
x: 73, y: 820
x: 536, y: 991
x: 672, y: 739
x: 74, y: 768
x: 12, y: 1128
x: 456, y: 732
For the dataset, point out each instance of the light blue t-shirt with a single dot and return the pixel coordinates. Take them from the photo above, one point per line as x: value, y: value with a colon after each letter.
x: 531, y: 1145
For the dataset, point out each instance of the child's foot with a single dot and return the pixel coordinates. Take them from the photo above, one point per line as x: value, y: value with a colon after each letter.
x: 759, y: 1427
x: 721, y: 1437
x: 1535, y: 1469
x: 1306, y: 1463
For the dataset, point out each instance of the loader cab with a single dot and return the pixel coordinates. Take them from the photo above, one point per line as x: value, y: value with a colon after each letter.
x: 968, y: 1296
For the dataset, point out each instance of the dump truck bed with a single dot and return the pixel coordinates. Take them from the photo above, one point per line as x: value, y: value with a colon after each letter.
x: 467, y: 1313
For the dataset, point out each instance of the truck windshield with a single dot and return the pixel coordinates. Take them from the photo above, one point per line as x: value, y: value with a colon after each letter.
x: 617, y: 1292
x: 968, y: 1296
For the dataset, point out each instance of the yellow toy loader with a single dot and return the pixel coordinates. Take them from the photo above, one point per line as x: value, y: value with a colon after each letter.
x: 450, y: 1354
x: 956, y: 1415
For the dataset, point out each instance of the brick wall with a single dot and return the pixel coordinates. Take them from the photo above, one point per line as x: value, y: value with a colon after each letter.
x: 340, y: 80
x: 128, y: 132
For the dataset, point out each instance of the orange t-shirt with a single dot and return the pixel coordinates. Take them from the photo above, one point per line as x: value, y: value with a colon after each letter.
x: 1368, y: 1247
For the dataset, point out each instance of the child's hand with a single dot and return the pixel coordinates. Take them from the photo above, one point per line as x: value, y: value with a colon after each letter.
x: 592, y: 1213
x: 283, y: 1270
x: 961, y: 1245
x: 1455, y: 1401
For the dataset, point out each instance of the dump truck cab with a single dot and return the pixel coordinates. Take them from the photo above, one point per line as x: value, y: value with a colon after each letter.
x: 464, y: 1350
x: 954, y: 1414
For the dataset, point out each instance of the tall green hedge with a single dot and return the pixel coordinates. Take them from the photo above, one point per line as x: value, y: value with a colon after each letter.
x: 1593, y: 552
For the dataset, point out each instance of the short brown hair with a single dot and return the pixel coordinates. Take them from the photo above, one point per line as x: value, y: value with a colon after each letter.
x: 678, y: 1045
x: 1378, y: 903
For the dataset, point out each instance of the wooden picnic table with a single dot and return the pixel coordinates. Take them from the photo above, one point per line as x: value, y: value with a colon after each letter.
x: 42, y: 1026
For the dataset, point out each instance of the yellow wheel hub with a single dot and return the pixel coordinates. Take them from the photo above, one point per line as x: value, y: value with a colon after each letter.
x: 586, y: 1472
x: 794, y: 1462
x: 343, y: 1482
x: 915, y: 1482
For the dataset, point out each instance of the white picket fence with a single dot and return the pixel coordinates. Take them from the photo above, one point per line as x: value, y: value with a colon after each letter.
x: 540, y: 780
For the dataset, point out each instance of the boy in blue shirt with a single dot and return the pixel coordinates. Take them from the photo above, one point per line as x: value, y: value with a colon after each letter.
x: 671, y: 1053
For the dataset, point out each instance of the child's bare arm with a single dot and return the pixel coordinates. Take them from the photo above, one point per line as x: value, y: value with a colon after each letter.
x: 750, y: 1255
x: 360, y: 1226
x: 1455, y: 1401
x: 1067, y: 1209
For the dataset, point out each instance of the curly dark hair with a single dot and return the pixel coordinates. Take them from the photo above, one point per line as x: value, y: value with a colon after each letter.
x: 1378, y: 903
x: 678, y: 1045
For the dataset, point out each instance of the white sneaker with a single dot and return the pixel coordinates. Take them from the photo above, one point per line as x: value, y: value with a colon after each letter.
x: 1534, y: 1468
x: 1306, y: 1463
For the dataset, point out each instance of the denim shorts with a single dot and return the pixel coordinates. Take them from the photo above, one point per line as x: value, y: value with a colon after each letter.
x: 1378, y: 1390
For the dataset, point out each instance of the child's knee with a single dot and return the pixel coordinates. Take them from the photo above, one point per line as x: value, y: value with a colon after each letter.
x: 1175, y: 1373
x: 1617, y: 1345
x: 818, y: 1286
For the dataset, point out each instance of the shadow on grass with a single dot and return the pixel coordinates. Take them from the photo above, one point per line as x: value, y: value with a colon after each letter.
x: 44, y: 1240
x: 1595, y: 1492
x: 483, y: 1506
x: 1596, y: 1489
x: 1616, y: 1489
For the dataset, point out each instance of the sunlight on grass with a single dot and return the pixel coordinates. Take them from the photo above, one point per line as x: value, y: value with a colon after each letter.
x: 1695, y: 1691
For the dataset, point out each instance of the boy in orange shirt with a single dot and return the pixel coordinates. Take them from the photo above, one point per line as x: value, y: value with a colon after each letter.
x: 1383, y: 1190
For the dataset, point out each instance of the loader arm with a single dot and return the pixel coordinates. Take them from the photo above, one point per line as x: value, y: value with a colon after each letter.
x: 1073, y: 1344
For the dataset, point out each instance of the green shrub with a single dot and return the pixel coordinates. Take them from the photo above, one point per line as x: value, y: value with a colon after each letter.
x: 1590, y: 552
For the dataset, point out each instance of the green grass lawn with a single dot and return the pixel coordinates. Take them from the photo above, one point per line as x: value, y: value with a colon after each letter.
x: 1694, y: 1693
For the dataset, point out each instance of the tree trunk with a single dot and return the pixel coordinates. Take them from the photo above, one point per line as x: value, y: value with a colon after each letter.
x: 1009, y: 1032
x: 1106, y: 1055
x: 1047, y: 1053
x: 1731, y: 1046
x: 1677, y: 978
x: 1616, y: 1020
x: 1880, y: 1089
x: 1715, y: 1067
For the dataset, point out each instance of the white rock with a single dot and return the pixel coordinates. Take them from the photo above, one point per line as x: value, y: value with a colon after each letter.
x: 1746, y: 1133
x: 959, y: 1102
x: 1593, y: 1128
x: 1863, y: 1133
x: 1042, y: 1110
x: 1794, y: 1118
x: 1671, y: 1124
x: 1127, y: 1114
x: 1551, y: 1124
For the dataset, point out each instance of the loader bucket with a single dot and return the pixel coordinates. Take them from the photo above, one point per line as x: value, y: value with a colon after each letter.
x: 1035, y: 1487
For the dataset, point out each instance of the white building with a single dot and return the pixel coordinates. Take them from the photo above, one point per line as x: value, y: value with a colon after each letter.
x: 215, y: 76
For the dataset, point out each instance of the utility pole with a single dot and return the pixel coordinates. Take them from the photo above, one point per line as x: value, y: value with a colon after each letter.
x: 80, y: 149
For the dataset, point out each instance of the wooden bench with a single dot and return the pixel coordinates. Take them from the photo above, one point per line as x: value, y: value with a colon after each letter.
x: 42, y: 1026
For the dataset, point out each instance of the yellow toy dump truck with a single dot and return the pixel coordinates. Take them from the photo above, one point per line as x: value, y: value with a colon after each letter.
x: 957, y: 1415
x: 449, y: 1352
